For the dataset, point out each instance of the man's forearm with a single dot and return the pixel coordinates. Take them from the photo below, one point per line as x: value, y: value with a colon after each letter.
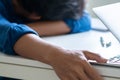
x: 31, y: 46
x: 50, y: 28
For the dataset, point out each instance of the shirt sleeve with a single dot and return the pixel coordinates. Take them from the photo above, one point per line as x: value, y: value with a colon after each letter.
x: 10, y: 33
x: 81, y: 25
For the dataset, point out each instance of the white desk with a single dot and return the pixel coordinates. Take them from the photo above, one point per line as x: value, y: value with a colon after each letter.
x: 26, y: 69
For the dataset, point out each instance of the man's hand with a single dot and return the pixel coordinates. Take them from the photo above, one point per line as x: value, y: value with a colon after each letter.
x: 73, y: 65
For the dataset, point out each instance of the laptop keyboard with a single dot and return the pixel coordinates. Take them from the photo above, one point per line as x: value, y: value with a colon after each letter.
x: 115, y: 60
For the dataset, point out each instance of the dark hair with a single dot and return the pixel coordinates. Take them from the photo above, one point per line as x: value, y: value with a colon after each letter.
x: 54, y: 9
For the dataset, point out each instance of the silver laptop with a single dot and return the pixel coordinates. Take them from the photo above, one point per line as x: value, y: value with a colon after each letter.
x: 110, y: 16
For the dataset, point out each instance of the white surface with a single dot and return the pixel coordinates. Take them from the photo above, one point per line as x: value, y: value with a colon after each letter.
x: 110, y: 16
x: 21, y: 68
x: 88, y: 41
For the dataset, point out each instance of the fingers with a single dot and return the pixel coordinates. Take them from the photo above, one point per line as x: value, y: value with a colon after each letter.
x: 82, y: 75
x: 73, y: 76
x: 78, y: 75
x: 68, y: 76
x: 94, y: 56
x: 92, y: 73
x: 87, y: 72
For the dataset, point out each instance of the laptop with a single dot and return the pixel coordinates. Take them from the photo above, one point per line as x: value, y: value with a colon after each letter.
x: 110, y: 16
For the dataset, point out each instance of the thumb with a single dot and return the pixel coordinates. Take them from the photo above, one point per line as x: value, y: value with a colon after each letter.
x: 94, y: 56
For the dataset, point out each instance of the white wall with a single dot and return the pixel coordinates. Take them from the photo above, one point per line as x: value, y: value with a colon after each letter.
x: 95, y: 3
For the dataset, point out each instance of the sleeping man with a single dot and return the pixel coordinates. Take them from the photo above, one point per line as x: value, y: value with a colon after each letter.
x: 23, y: 22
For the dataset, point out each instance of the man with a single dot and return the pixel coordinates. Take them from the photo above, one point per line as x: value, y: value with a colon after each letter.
x: 23, y: 21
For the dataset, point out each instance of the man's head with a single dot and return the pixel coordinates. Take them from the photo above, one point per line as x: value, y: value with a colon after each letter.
x: 54, y: 9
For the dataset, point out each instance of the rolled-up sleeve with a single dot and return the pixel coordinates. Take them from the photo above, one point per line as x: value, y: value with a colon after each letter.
x: 10, y: 33
x: 81, y: 25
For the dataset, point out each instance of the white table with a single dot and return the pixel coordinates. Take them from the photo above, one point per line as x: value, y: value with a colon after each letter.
x: 21, y: 68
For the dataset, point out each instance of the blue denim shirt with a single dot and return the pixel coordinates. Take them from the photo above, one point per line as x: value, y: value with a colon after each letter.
x: 12, y: 26
x: 81, y: 25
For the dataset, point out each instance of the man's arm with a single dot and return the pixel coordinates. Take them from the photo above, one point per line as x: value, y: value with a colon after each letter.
x: 68, y: 65
x: 50, y: 28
